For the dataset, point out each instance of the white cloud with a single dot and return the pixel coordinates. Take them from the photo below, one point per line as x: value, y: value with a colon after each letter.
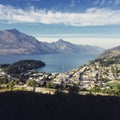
x: 91, y: 17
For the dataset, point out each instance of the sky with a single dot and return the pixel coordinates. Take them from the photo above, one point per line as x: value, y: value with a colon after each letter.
x: 87, y: 22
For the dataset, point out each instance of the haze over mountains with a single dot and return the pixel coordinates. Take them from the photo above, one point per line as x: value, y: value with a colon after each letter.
x: 14, y: 42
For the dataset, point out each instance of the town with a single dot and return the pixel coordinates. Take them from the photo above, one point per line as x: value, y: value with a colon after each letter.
x: 92, y: 77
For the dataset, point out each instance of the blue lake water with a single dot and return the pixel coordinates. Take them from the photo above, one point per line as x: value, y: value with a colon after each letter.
x: 54, y: 62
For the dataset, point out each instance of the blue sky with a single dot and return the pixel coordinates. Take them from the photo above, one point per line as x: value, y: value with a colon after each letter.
x: 93, y: 22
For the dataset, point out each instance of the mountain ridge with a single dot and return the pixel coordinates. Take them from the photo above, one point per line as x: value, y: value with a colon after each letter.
x: 13, y: 41
x: 67, y: 47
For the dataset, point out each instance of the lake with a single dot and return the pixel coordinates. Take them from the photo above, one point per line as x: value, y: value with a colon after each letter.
x: 54, y: 62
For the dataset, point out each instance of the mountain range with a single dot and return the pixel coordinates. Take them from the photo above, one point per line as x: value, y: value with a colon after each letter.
x: 14, y: 42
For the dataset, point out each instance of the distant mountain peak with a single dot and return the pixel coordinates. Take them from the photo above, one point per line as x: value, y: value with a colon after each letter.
x: 60, y: 41
x: 15, y: 31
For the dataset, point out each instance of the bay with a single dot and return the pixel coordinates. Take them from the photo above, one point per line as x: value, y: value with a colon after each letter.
x: 54, y: 62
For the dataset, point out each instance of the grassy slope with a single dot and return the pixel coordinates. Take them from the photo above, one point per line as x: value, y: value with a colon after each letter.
x: 33, y: 106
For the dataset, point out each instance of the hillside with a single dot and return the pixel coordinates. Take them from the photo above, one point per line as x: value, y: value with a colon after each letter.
x: 98, y: 73
x: 14, y: 42
x: 111, y: 53
x: 106, y: 67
